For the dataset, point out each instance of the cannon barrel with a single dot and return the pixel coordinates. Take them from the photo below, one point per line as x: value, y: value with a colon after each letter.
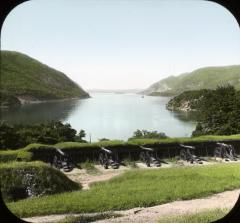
x: 146, y: 148
x: 185, y: 146
x: 106, y: 150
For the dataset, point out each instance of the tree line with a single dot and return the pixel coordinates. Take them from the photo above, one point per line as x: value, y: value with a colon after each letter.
x: 219, y: 112
x: 19, y: 135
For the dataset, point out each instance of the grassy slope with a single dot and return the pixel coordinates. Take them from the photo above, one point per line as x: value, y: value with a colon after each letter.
x: 23, y: 75
x: 208, y: 78
x: 38, y: 176
x: 138, y: 188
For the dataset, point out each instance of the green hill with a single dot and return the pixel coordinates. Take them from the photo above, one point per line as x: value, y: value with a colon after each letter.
x: 24, y: 79
x: 21, y: 180
x: 204, y: 78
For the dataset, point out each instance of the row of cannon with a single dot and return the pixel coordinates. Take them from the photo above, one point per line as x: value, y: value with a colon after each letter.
x: 109, y: 158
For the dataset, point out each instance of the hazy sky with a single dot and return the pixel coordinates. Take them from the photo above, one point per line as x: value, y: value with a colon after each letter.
x: 123, y: 44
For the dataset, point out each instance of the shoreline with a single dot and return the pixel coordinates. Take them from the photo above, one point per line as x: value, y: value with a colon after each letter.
x: 27, y: 100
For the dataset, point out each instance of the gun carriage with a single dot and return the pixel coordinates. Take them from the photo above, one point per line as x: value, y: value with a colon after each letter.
x: 187, y: 153
x: 225, y: 151
x: 148, y: 156
x: 108, y: 158
x: 62, y: 161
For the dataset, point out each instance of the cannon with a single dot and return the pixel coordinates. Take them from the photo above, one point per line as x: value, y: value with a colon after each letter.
x: 148, y: 156
x: 62, y: 161
x: 225, y: 151
x: 187, y: 153
x: 108, y: 158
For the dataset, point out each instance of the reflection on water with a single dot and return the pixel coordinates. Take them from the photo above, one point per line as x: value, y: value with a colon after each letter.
x: 109, y: 115
x: 186, y: 116
x: 41, y: 112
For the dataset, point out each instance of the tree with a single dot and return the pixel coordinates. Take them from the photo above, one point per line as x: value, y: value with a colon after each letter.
x: 219, y: 112
x: 8, y: 136
x: 144, y: 134
x: 79, y: 137
x: 17, y: 136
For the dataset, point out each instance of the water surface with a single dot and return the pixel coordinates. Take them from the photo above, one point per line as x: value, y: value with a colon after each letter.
x: 108, y: 115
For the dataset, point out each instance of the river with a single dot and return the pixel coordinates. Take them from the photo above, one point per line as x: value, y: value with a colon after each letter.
x: 108, y: 115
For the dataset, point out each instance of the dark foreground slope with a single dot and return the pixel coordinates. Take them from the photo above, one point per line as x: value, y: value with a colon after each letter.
x: 24, y: 79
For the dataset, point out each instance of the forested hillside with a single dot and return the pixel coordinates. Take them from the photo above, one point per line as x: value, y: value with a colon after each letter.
x: 204, y: 78
x: 25, y: 79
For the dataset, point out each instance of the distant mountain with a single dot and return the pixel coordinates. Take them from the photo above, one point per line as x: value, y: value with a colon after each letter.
x: 204, y: 78
x: 117, y: 91
x: 24, y: 80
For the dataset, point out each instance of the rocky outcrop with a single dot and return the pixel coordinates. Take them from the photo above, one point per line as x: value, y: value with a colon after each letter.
x: 186, y: 101
x: 184, y: 105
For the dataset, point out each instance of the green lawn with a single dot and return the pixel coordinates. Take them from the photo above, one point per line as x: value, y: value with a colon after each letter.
x: 136, y: 188
x: 202, y: 217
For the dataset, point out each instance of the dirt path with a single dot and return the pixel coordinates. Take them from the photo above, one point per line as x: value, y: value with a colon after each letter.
x: 83, y: 177
x: 153, y: 214
x: 150, y: 214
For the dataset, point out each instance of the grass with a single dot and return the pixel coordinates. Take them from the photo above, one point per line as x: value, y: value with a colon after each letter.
x: 71, y: 145
x: 35, y: 177
x: 8, y: 155
x: 90, y: 168
x: 13, y: 155
x: 136, y: 188
x: 130, y: 144
x: 185, y: 139
x: 201, y: 217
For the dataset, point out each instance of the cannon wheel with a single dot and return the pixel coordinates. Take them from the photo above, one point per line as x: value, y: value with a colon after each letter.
x: 105, y: 165
x: 101, y: 159
x: 115, y: 166
x: 183, y: 155
x: 218, y: 152
x: 142, y: 156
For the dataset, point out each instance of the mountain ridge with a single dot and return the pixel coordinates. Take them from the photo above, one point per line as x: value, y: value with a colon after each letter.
x: 206, y: 77
x: 25, y: 80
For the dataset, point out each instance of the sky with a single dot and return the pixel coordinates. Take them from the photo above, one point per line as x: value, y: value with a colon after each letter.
x: 123, y: 44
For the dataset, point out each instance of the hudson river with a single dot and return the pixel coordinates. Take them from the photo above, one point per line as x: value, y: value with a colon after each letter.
x: 108, y: 115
